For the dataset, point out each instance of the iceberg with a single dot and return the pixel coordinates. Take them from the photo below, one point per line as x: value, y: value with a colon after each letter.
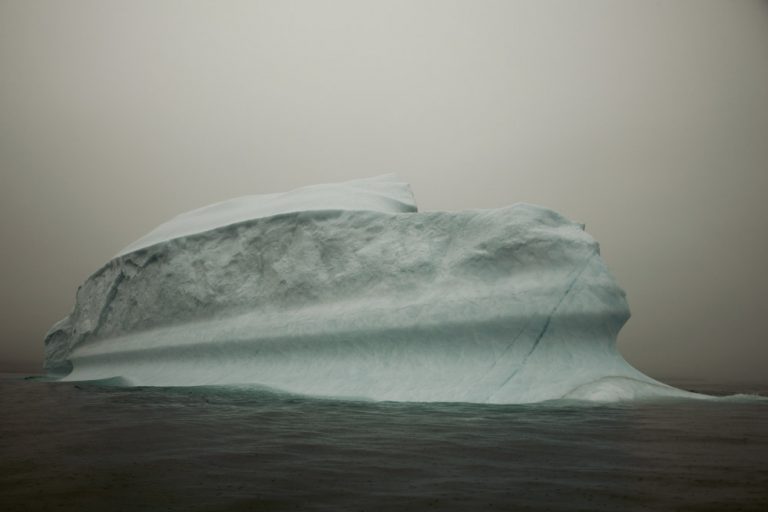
x: 346, y: 290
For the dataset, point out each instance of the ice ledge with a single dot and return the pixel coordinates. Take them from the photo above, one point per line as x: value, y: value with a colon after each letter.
x: 385, y: 193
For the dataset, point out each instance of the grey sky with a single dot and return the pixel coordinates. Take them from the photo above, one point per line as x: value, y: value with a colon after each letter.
x: 646, y: 120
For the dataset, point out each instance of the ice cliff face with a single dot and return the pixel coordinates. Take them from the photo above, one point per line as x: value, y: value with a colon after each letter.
x: 357, y: 297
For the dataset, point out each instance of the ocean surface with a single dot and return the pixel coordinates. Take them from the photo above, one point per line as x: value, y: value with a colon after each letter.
x: 84, y: 447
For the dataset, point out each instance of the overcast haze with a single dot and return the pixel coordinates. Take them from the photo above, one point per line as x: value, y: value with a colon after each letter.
x: 646, y: 120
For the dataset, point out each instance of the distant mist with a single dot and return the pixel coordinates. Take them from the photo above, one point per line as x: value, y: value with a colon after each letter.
x: 647, y: 121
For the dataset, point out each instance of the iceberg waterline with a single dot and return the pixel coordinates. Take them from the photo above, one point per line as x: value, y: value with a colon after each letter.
x: 358, y: 298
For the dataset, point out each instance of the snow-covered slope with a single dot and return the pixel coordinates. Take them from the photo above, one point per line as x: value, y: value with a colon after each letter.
x: 511, y: 305
x: 382, y: 194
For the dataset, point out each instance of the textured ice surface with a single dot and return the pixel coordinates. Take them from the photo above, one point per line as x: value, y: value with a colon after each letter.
x: 345, y: 291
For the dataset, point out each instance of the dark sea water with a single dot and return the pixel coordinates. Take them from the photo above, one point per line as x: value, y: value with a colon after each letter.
x: 84, y: 447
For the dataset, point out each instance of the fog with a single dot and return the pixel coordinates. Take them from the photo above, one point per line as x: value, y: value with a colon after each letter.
x: 648, y: 121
